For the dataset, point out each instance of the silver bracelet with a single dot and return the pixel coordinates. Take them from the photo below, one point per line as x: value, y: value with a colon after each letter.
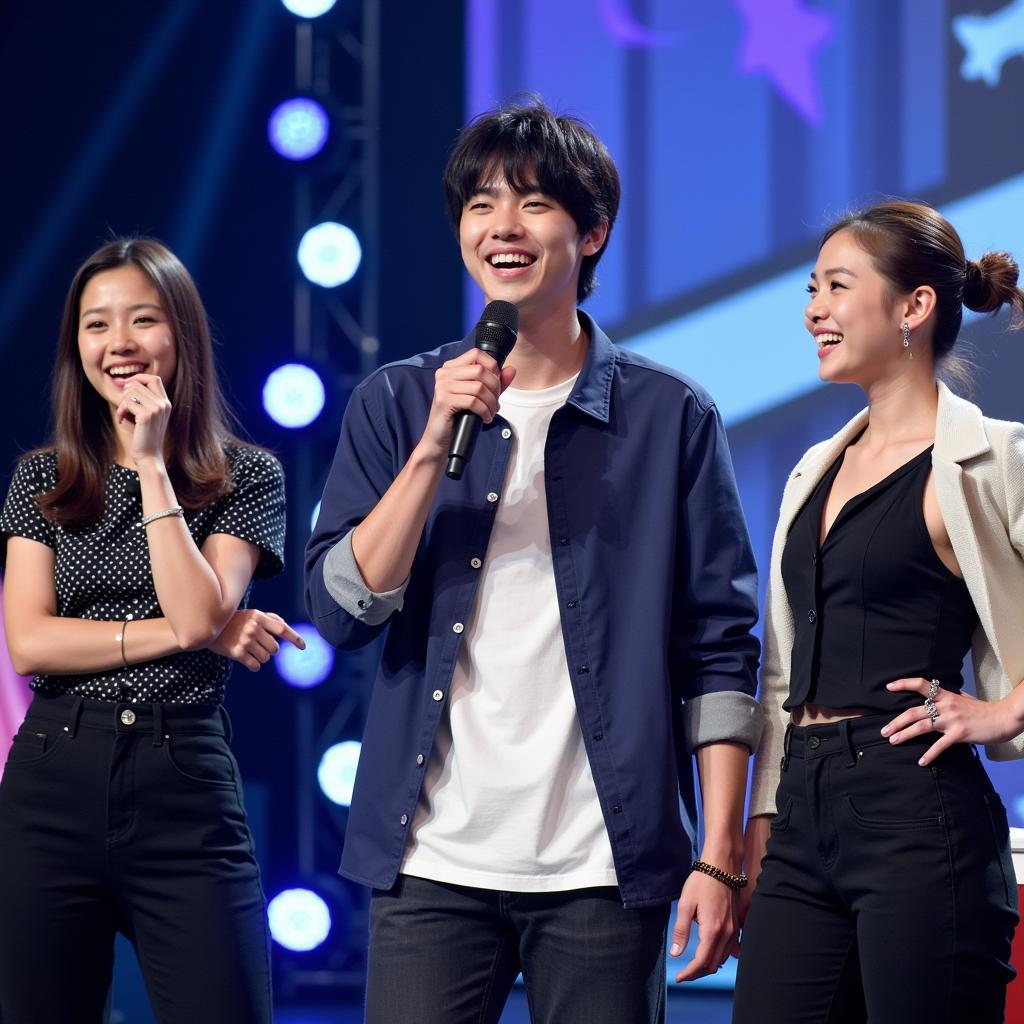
x: 153, y: 517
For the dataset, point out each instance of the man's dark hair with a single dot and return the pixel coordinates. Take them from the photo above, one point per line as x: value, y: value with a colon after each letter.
x: 535, y: 149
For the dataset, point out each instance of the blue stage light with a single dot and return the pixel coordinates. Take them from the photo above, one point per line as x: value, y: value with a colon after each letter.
x: 329, y: 254
x: 313, y: 518
x: 309, y: 8
x: 337, y: 771
x: 309, y: 667
x: 299, y: 919
x: 298, y: 128
x: 294, y: 395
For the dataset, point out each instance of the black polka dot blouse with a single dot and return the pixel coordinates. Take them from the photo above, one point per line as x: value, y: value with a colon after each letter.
x: 102, y: 570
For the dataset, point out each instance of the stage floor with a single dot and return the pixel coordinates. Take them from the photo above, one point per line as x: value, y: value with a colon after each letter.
x: 683, y: 1008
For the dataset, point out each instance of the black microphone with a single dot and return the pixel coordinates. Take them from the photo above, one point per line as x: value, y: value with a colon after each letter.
x: 495, y: 335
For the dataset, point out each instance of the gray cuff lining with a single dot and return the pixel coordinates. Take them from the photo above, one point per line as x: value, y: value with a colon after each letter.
x: 724, y: 716
x: 346, y: 585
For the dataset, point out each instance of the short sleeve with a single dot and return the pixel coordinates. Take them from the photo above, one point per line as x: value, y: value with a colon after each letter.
x: 254, y: 510
x: 21, y: 516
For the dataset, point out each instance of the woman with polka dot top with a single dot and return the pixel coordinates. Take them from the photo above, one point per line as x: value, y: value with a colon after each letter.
x: 131, y: 544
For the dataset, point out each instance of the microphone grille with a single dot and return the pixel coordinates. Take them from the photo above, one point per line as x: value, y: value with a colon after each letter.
x: 502, y: 313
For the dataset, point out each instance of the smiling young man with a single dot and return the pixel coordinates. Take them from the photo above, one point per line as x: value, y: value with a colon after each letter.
x: 568, y: 624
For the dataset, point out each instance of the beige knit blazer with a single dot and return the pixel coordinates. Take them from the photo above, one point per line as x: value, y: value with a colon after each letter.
x: 978, y: 467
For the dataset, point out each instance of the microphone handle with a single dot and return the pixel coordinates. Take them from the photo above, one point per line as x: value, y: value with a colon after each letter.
x: 467, y: 424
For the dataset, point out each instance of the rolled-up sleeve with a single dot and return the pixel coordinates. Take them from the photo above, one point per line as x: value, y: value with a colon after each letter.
x: 346, y: 585
x: 362, y: 471
x: 713, y: 654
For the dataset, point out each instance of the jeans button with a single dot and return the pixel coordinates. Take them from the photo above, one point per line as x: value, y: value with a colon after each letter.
x: 814, y: 742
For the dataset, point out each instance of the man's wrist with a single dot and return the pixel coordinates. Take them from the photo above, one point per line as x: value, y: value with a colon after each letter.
x: 726, y: 856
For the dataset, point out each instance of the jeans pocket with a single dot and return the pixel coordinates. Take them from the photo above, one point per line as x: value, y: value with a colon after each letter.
x: 1001, y: 836
x: 205, y: 760
x: 30, y: 746
x: 781, y: 820
x: 878, y: 820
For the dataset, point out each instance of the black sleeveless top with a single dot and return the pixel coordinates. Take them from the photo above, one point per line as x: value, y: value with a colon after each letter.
x: 874, y: 602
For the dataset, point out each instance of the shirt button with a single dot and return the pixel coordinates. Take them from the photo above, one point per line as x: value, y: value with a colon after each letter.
x: 438, y: 695
x: 419, y: 759
x: 458, y: 627
x: 404, y: 819
x: 812, y: 616
x: 814, y: 742
x: 617, y: 809
x: 506, y: 433
x: 572, y: 604
x: 127, y: 717
x: 492, y: 496
x: 475, y: 563
x: 814, y: 558
x: 563, y: 540
x: 598, y: 736
x: 583, y: 669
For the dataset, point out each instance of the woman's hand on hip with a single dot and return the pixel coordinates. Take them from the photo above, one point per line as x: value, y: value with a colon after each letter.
x: 958, y: 717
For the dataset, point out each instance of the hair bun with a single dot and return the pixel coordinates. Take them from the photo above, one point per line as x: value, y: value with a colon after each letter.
x: 991, y: 282
x: 976, y: 289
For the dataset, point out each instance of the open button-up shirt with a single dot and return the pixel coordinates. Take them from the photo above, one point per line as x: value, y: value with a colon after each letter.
x: 655, y: 579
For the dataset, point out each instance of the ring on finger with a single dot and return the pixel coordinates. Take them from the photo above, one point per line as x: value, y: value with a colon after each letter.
x: 135, y: 399
x: 933, y: 689
x: 933, y: 710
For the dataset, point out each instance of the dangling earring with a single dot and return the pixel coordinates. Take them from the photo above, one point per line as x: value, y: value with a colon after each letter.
x: 906, y: 337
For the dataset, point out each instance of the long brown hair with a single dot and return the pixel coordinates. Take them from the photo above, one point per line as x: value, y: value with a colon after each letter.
x: 83, y: 434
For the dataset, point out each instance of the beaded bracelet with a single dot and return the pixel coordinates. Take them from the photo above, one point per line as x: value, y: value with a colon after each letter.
x: 154, y: 516
x: 733, y: 881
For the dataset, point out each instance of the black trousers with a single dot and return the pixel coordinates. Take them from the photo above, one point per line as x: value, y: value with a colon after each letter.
x: 449, y: 954
x: 120, y: 818
x: 887, y: 892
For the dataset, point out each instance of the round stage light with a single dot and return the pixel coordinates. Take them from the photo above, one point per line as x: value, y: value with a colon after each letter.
x: 329, y: 254
x: 309, y: 8
x: 294, y: 395
x: 309, y: 667
x: 298, y: 128
x: 337, y: 771
x: 299, y: 919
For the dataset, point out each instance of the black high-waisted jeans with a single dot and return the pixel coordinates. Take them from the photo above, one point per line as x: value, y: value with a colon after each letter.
x: 887, y: 892
x: 127, y: 818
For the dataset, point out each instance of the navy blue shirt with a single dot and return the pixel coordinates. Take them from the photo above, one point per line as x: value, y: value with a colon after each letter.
x: 655, y: 579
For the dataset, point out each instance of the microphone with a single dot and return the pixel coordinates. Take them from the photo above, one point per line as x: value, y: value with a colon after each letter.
x: 495, y: 334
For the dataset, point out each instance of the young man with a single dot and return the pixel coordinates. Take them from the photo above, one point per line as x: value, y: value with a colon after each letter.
x: 568, y: 622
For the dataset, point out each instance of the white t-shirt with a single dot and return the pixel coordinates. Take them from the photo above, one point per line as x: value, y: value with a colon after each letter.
x: 509, y: 801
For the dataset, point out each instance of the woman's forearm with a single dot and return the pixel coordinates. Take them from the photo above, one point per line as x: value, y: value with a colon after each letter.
x: 55, y: 645
x: 188, y: 589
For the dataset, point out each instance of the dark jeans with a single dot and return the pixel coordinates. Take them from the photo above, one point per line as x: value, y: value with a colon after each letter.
x: 112, y: 824
x: 887, y: 892
x: 448, y: 954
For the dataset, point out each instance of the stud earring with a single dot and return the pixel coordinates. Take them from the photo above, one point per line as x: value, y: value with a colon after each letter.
x: 906, y: 337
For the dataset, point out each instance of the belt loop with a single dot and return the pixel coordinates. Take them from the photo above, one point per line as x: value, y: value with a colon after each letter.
x: 227, y: 722
x: 786, y: 743
x: 847, y: 738
x: 74, y: 715
x: 158, y: 724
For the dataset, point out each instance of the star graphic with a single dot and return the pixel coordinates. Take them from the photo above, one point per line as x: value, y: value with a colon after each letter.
x: 990, y: 41
x: 782, y: 37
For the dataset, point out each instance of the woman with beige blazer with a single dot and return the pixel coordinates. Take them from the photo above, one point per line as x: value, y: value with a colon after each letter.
x: 877, y: 849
